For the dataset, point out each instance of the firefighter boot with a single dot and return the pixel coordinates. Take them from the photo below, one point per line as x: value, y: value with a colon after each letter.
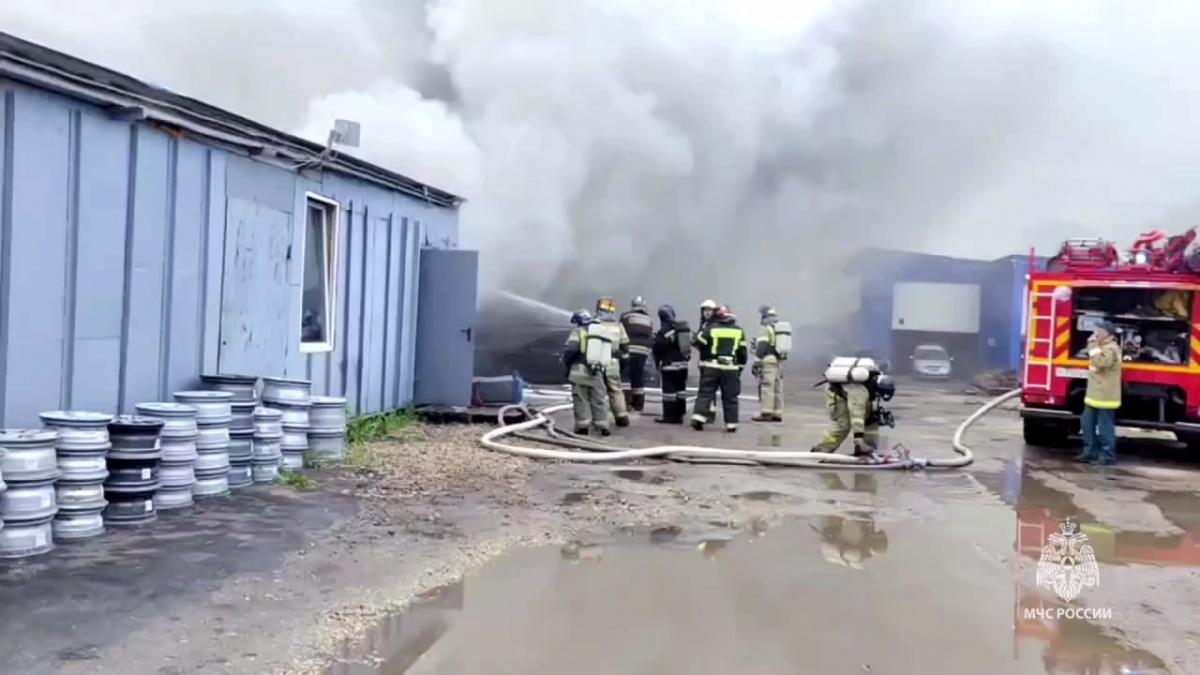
x: 637, y: 401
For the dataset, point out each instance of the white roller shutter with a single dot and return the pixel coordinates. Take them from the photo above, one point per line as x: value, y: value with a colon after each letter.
x: 935, y: 308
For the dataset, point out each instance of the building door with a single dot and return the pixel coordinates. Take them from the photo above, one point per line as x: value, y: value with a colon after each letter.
x: 255, y: 296
x: 446, y: 315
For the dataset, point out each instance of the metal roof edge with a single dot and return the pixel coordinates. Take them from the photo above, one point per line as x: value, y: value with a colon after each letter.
x: 122, y: 94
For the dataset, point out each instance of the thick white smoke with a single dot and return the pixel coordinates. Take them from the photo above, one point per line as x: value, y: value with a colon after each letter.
x: 726, y: 148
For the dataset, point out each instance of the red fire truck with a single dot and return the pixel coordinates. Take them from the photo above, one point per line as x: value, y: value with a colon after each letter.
x: 1149, y: 292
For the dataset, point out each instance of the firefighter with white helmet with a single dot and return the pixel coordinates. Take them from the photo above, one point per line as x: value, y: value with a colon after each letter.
x: 707, y: 308
x: 723, y: 355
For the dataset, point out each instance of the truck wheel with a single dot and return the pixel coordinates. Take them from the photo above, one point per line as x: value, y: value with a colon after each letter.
x: 1046, y: 434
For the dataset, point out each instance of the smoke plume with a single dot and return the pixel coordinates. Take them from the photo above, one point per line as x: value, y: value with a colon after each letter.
x: 741, y: 150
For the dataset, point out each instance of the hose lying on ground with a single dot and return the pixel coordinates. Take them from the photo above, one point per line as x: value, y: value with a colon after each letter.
x: 595, y: 452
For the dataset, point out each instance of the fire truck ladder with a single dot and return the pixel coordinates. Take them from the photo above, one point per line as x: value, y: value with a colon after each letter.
x: 1036, y: 338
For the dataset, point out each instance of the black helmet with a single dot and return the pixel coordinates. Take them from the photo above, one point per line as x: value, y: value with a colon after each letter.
x: 885, y: 386
x: 581, y: 317
x: 666, y: 314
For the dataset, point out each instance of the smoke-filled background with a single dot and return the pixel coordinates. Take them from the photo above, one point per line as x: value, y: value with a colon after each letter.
x: 735, y: 149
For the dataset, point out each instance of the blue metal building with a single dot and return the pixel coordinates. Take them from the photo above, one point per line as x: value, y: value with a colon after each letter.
x: 974, y: 308
x: 147, y: 238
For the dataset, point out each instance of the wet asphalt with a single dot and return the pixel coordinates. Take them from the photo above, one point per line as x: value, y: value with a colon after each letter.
x: 828, y: 571
x: 904, y: 574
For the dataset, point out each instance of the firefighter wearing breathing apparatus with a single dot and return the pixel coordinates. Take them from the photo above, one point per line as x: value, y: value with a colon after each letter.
x: 671, y: 351
x: 723, y: 355
x: 587, y: 353
x: 770, y: 350
x: 854, y: 391
x: 706, y: 316
x: 606, y: 315
x: 640, y: 329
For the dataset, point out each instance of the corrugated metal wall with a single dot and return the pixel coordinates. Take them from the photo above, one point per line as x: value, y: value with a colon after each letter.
x: 381, y: 237
x: 112, y: 250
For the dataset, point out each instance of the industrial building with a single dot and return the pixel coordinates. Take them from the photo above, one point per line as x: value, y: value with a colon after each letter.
x: 975, y: 309
x: 147, y: 238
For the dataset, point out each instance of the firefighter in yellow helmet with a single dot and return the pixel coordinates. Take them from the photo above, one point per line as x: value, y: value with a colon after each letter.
x: 723, y: 355
x: 770, y: 349
x: 586, y: 355
x: 706, y: 316
x: 606, y: 315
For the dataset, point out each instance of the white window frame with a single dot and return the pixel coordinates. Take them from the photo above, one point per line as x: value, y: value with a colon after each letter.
x: 333, y: 211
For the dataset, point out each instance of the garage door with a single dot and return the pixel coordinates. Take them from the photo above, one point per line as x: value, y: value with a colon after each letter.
x: 935, y: 308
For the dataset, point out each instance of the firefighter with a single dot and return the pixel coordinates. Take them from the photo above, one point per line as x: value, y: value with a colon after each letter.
x: 585, y: 371
x: 640, y: 329
x: 706, y: 311
x: 723, y: 355
x: 606, y: 315
x: 853, y: 388
x: 671, y: 351
x: 768, y: 352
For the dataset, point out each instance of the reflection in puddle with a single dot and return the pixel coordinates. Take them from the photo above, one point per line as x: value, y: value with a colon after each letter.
x: 400, y: 640
x: 851, y: 541
x: 770, y: 440
x: 1074, y: 645
x: 832, y: 595
x: 851, y: 481
x: 1041, y: 508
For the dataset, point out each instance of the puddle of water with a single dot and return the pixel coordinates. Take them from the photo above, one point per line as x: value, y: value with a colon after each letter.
x: 401, y: 640
x: 759, y: 495
x: 770, y: 440
x: 1122, y: 527
x: 828, y: 595
x: 851, y: 481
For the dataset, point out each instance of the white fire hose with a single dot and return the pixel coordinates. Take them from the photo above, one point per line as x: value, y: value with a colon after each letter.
x: 597, y: 452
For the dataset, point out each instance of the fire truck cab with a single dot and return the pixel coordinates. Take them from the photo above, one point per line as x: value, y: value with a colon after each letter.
x: 1149, y: 293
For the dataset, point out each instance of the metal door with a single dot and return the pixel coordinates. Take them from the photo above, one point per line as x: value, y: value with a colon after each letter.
x: 255, y: 297
x: 446, y: 315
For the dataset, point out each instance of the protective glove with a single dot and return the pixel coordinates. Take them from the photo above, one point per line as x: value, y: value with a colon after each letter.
x: 756, y: 370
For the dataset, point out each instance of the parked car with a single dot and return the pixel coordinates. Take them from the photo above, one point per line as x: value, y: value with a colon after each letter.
x: 931, y: 361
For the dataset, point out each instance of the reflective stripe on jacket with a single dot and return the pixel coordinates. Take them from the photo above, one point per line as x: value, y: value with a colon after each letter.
x: 1104, y: 375
x: 724, y: 347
